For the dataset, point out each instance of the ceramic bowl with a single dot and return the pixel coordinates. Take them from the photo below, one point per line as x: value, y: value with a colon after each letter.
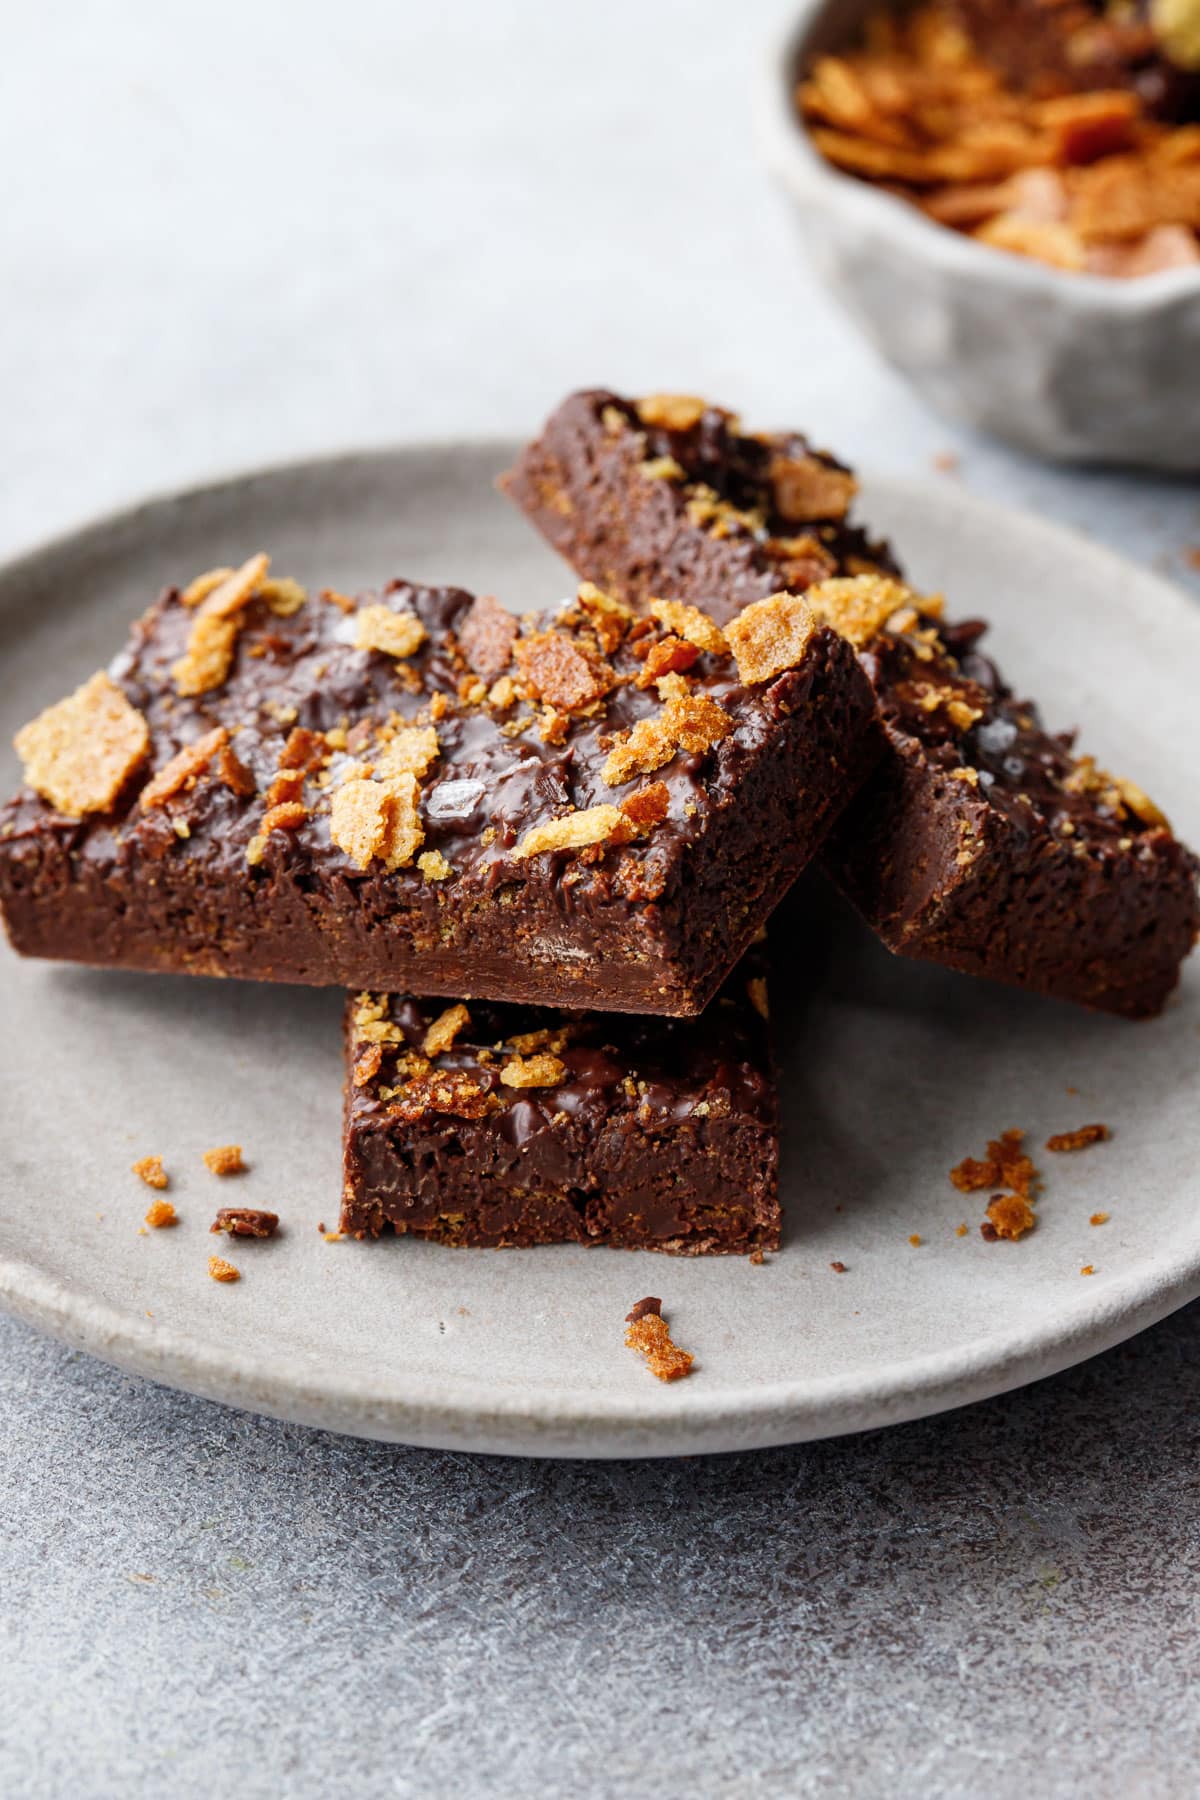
x: 1073, y: 367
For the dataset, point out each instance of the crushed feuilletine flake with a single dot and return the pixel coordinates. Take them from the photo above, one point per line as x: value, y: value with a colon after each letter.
x: 283, y: 595
x: 160, y: 1214
x: 540, y: 1070
x: 574, y: 831
x: 433, y: 866
x: 648, y: 806
x: 771, y: 636
x: 377, y: 819
x: 289, y: 815
x: 150, y: 1170
x: 692, y: 625
x: 445, y: 1028
x: 486, y: 637
x: 225, y: 1159
x: 669, y: 656
x: 608, y: 617
x: 565, y: 673
x: 79, y: 753
x: 212, y: 640
x: 367, y: 1065
x: 669, y: 412
x: 860, y: 607
x: 411, y: 750
x: 690, y: 722
x: 203, y: 586
x: 397, y: 634
x: 220, y: 1270
x: 187, y: 763
x: 1099, y: 1218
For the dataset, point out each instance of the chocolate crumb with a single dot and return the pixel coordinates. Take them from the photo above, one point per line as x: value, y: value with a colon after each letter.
x: 245, y: 1221
x: 839, y: 1268
x: 641, y: 1308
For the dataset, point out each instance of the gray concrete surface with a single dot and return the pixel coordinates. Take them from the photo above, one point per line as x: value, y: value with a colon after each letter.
x: 235, y: 233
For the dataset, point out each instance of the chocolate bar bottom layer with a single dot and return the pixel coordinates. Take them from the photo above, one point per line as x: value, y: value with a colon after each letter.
x: 632, y: 1133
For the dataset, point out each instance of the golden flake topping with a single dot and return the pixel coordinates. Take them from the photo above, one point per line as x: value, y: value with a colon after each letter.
x: 377, y: 819
x: 689, y: 623
x: 533, y: 1071
x: 671, y: 412
x: 770, y: 636
x: 206, y: 662
x: 859, y: 607
x: 575, y: 831
x: 688, y: 721
x: 396, y: 634
x: 444, y: 1029
x: 411, y: 750
x: 79, y: 754
x: 183, y: 766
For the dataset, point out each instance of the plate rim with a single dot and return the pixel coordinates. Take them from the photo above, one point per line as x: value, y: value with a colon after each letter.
x: 456, y: 1412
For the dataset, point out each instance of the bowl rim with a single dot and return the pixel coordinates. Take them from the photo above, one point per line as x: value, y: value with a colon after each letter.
x: 792, y: 157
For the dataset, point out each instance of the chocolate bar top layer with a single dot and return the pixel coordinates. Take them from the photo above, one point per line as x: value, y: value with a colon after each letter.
x: 532, y: 1126
x: 981, y: 840
x: 417, y: 787
x: 668, y: 496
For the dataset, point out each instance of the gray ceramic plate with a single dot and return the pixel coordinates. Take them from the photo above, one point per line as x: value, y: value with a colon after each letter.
x: 892, y: 1071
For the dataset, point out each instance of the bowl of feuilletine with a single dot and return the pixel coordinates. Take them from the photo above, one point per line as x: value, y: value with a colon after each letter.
x: 1014, y: 227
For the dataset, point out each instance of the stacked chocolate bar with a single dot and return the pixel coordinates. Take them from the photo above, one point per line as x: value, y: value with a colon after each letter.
x: 566, y: 831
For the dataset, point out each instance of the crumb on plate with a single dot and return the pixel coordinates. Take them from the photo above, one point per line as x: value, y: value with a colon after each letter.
x: 225, y: 1159
x: 1079, y: 1139
x: 649, y: 1336
x: 245, y: 1221
x: 1008, y: 1216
